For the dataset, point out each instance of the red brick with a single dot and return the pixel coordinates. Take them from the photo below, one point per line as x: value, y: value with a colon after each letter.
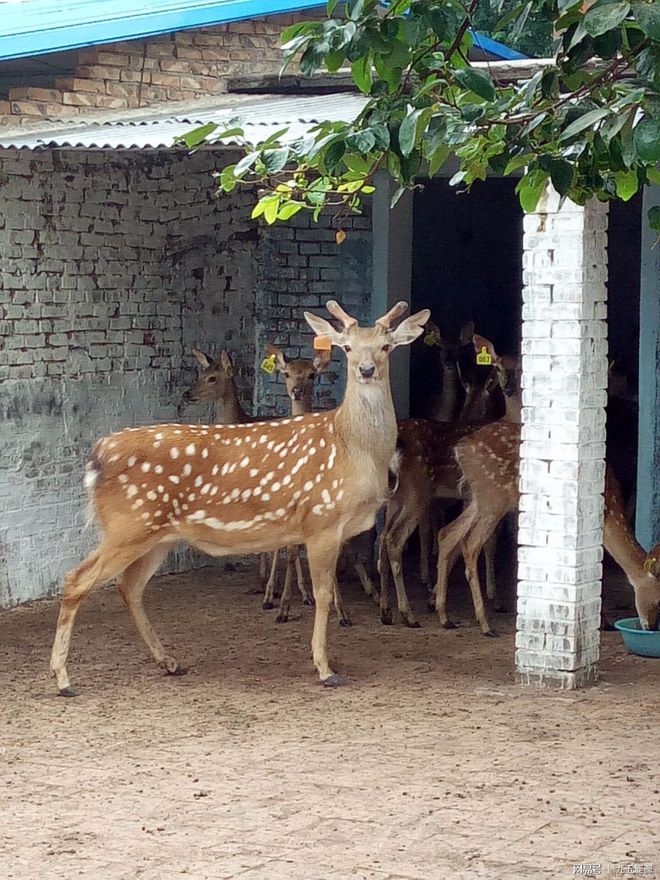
x: 123, y: 90
x: 187, y: 53
x: 35, y: 94
x: 200, y: 83
x: 32, y: 108
x: 173, y: 66
x: 166, y: 79
x: 5, y: 108
x: 97, y: 72
x: 108, y: 103
x: 215, y: 54
x: 75, y: 84
x: 114, y: 59
x: 79, y: 99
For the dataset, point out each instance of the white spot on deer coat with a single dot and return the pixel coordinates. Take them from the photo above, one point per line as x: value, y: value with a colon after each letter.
x: 132, y: 490
x: 174, y: 452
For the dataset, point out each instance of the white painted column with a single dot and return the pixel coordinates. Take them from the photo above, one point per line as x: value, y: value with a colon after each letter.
x: 562, y: 468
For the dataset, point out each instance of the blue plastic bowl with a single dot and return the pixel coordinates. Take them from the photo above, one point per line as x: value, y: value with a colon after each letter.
x: 645, y: 642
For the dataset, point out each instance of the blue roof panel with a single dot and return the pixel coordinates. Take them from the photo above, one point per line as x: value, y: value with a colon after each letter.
x: 35, y: 27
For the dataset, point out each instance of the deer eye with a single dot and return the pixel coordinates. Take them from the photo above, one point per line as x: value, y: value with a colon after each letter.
x: 212, y: 379
x: 286, y: 374
x: 347, y: 348
x: 387, y: 347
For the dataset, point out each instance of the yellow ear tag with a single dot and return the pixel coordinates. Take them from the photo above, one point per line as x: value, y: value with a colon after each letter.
x: 430, y: 339
x: 484, y: 359
x: 268, y: 364
x: 649, y: 564
x: 322, y: 343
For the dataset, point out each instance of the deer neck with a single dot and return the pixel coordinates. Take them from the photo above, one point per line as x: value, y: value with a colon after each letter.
x: 513, y: 408
x: 228, y: 410
x: 624, y: 549
x: 449, y: 397
x: 300, y: 407
x: 366, y: 420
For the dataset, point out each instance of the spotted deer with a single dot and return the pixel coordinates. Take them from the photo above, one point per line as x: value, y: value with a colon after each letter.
x: 429, y: 472
x: 489, y: 461
x: 314, y: 479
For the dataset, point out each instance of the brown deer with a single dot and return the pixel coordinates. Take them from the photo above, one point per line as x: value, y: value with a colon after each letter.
x: 428, y: 472
x: 489, y: 461
x: 217, y: 385
x: 316, y: 479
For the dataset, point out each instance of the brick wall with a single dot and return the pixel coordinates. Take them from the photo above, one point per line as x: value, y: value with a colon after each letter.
x: 301, y: 267
x: 112, y: 266
x: 172, y: 67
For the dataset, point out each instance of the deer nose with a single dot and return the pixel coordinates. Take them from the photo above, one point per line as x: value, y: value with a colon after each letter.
x: 297, y: 392
x: 367, y: 370
x: 188, y: 397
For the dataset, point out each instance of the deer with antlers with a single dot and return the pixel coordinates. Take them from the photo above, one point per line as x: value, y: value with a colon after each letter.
x: 489, y: 461
x: 315, y: 479
x: 429, y: 472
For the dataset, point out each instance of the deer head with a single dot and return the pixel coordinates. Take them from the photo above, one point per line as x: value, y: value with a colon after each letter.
x: 647, y: 591
x: 368, y: 348
x: 215, y: 379
x: 300, y: 373
x: 507, y: 369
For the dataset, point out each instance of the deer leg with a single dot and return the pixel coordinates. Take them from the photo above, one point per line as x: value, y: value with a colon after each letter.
x: 269, y: 595
x: 131, y: 587
x: 425, y: 540
x: 306, y: 596
x: 449, y: 539
x: 367, y: 584
x: 396, y: 541
x: 384, y: 571
x: 292, y: 561
x: 490, y: 548
x: 101, y: 566
x: 481, y: 530
x: 340, y: 608
x: 322, y: 555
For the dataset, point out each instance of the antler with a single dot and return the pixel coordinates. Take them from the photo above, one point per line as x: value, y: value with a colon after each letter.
x: 336, y: 310
x: 395, y: 312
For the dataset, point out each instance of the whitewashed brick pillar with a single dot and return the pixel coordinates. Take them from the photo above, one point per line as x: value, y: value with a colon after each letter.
x: 562, y: 468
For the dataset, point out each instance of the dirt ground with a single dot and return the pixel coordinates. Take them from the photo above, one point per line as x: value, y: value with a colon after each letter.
x: 430, y: 763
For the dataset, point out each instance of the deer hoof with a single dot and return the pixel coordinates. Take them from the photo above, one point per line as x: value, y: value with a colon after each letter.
x: 386, y: 618
x: 282, y: 618
x: 345, y: 621
x: 410, y: 622
x: 267, y: 606
x: 333, y: 681
x: 171, y: 667
x: 491, y: 634
x: 309, y: 601
x: 68, y: 692
x: 607, y: 626
x: 449, y: 625
x: 430, y: 607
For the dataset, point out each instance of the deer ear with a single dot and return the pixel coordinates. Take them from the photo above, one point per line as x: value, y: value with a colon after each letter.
x: 280, y: 358
x: 321, y: 360
x: 227, y: 365
x: 321, y: 327
x: 467, y: 332
x: 480, y: 342
x: 202, y: 359
x: 411, y: 328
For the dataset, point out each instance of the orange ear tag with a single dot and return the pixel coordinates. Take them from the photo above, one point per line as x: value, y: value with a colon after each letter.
x: 268, y: 364
x: 322, y: 343
x: 484, y: 359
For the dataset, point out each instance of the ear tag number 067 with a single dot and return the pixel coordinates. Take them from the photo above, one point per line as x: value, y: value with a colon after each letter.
x: 484, y: 359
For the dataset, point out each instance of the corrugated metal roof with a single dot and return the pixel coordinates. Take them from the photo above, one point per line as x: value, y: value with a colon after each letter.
x: 33, y: 27
x: 144, y: 130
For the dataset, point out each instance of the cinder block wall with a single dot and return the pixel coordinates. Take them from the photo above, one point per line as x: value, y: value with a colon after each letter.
x: 112, y: 266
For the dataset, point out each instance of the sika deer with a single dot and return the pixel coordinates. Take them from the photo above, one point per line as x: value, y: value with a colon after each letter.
x: 489, y: 460
x: 429, y: 473
x: 216, y: 385
x: 316, y: 479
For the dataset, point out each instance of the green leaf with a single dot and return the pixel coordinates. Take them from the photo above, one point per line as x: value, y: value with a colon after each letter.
x: 653, y: 175
x: 358, y: 164
x: 626, y: 184
x: 227, y: 179
x: 361, y: 141
x: 361, y: 73
x: 561, y: 175
x: 275, y: 160
x: 412, y: 128
x: 605, y: 17
x: 587, y: 120
x: 197, y: 135
x: 272, y: 209
x: 647, y: 139
x: 334, y: 155
x: 654, y: 218
x: 245, y: 163
x: 476, y: 81
x: 397, y: 195
x: 648, y: 17
x: 530, y: 188
x: 517, y: 162
x: 288, y: 210
x: 330, y: 7
x: 437, y: 158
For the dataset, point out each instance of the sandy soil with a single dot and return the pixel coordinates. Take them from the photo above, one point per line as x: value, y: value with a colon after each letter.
x: 430, y: 763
